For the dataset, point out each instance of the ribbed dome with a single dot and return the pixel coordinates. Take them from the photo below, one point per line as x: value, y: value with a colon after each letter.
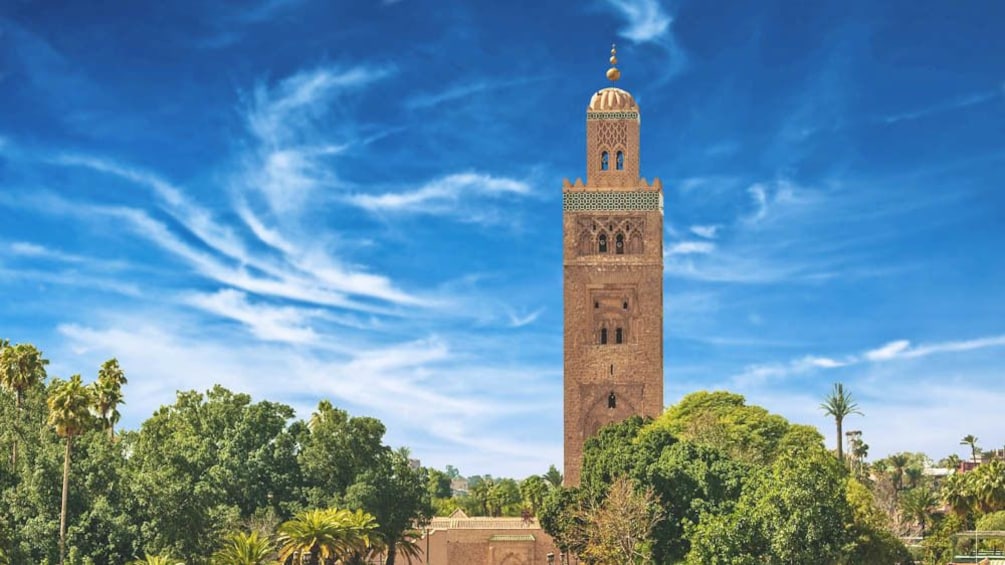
x: 612, y: 100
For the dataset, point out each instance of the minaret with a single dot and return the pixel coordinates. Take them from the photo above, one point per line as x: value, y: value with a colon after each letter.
x: 613, y: 278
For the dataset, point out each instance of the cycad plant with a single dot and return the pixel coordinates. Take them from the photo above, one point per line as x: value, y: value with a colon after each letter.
x: 319, y: 537
x: 244, y: 549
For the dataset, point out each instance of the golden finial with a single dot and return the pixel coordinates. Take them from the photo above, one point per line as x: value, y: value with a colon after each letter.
x: 613, y: 74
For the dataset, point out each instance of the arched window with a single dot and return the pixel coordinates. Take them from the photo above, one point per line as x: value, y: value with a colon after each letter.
x: 603, y: 243
x: 619, y: 336
x: 620, y: 163
x: 619, y: 244
x: 604, y: 164
x: 603, y: 336
x: 612, y: 401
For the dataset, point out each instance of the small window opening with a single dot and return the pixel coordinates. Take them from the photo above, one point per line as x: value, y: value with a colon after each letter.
x: 603, y: 336
x: 596, y: 304
x: 604, y: 165
x: 619, y: 336
x: 612, y: 401
x: 603, y: 243
x: 619, y: 244
x: 612, y: 369
x: 624, y: 305
x: 620, y: 164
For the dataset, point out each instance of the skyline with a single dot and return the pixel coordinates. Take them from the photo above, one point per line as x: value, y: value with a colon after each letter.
x: 363, y: 203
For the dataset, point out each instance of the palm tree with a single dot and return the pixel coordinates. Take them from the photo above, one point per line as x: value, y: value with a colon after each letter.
x: 108, y: 395
x: 314, y: 537
x: 69, y: 404
x: 244, y: 549
x: 899, y: 463
x: 917, y: 505
x: 952, y: 461
x: 839, y: 404
x: 914, y: 475
x: 156, y: 560
x: 958, y: 494
x: 21, y: 367
x: 989, y: 486
x: 971, y: 440
x: 553, y: 477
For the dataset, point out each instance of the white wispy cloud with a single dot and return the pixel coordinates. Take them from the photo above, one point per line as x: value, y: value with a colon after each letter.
x: 292, y: 149
x: 889, y: 351
x: 760, y: 196
x: 312, y: 277
x: 892, y: 351
x: 947, y: 106
x: 443, y: 195
x: 518, y: 320
x: 902, y: 349
x: 708, y: 232
x: 460, y: 91
x: 691, y: 248
x: 645, y: 20
x: 271, y: 323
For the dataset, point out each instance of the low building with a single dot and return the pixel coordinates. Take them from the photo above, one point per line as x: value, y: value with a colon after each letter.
x: 460, y: 539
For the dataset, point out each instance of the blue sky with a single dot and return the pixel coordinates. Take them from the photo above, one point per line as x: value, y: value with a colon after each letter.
x: 362, y: 201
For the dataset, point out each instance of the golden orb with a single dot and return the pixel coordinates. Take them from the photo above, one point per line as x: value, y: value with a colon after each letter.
x: 613, y: 74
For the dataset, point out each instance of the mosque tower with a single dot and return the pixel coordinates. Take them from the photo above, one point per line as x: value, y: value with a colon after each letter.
x: 613, y: 278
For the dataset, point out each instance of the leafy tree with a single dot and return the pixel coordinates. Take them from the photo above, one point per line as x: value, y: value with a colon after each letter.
x: 107, y: 394
x: 839, y: 404
x: 940, y: 544
x: 438, y: 483
x: 244, y: 549
x: 335, y: 449
x: 793, y: 512
x: 871, y: 538
x: 724, y: 421
x: 208, y: 463
x: 395, y: 494
x: 620, y: 527
x: 971, y: 440
x: 563, y: 517
x: 69, y: 404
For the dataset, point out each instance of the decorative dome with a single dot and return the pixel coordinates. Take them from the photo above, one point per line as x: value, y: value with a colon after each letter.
x: 612, y: 100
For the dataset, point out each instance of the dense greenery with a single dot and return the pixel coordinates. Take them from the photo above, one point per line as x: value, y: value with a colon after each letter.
x: 218, y: 479
x: 734, y: 484
x: 212, y: 478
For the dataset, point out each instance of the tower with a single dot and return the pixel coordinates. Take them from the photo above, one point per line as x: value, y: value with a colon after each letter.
x: 613, y: 278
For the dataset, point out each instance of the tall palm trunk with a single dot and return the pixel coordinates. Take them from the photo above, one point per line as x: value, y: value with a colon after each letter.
x: 66, y: 489
x: 840, y: 441
x: 17, y: 431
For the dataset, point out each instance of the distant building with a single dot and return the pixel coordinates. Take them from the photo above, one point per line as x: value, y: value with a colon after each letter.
x: 458, y: 486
